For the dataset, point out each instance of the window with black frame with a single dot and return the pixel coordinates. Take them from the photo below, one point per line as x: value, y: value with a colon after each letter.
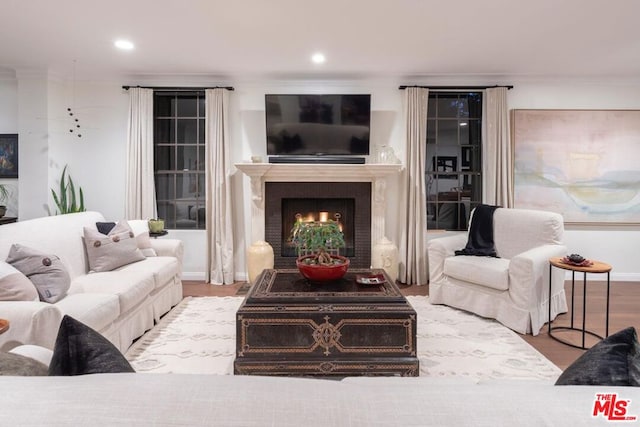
x: 179, y: 158
x: 454, y: 158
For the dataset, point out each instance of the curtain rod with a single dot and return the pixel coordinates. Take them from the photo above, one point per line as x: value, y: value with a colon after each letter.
x: 179, y: 89
x: 456, y: 87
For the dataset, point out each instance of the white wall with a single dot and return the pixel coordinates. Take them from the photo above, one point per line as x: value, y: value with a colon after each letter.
x: 97, y: 160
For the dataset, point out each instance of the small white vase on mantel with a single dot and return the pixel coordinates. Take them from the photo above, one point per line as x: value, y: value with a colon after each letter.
x: 385, y: 155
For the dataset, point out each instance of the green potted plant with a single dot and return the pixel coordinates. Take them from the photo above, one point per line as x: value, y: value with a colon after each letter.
x: 66, y: 200
x: 318, y: 244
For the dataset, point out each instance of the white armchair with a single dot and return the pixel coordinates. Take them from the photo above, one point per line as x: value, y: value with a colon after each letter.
x: 513, y: 288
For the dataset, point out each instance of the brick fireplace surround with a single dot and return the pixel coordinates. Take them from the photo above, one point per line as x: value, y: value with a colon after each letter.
x: 376, y: 174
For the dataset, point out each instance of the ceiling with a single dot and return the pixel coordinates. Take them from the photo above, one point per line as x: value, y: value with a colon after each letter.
x: 360, y: 38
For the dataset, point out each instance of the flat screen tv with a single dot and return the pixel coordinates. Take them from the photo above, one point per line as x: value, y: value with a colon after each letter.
x: 316, y: 125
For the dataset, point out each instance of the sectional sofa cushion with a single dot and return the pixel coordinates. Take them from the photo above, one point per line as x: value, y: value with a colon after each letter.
x: 614, y: 361
x: 15, y: 286
x: 45, y: 271
x: 131, y: 287
x: 114, y: 250
x: 80, y: 350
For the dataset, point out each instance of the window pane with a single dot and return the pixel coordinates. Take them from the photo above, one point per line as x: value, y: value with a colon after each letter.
x: 431, y: 131
x: 432, y: 107
x: 475, y: 105
x: 165, y: 189
x: 448, y: 106
x: 187, y: 131
x: 201, y: 131
x: 201, y: 186
x: 201, y: 158
x: 166, y: 212
x: 187, y: 157
x: 447, y: 132
x: 165, y: 106
x: 475, y: 131
x: 188, y: 106
x: 201, y: 107
x: 164, y: 131
x: 164, y: 159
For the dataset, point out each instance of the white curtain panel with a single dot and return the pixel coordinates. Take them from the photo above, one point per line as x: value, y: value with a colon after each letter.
x: 413, y: 250
x: 220, y: 266
x: 498, y: 152
x: 140, y: 192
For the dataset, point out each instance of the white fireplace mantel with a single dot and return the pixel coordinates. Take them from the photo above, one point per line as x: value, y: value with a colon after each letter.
x: 376, y: 173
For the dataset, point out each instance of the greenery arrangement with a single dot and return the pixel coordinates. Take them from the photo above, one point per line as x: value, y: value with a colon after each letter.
x: 66, y: 200
x: 318, y: 239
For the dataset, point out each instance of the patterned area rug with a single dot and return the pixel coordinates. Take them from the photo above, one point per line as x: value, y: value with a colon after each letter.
x: 198, y: 336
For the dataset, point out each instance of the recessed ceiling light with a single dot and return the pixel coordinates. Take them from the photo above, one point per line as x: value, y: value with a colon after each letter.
x: 123, y: 44
x: 463, y: 123
x: 318, y: 58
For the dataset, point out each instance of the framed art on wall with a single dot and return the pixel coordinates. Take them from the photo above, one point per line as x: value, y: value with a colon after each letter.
x: 9, y: 155
x: 582, y: 164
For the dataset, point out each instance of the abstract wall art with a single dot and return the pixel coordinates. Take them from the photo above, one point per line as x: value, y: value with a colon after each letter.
x: 583, y: 164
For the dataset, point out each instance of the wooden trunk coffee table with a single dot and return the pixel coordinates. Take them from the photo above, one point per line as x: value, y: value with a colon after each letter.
x: 289, y: 326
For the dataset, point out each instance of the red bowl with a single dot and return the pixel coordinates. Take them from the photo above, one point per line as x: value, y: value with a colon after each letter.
x: 322, y: 273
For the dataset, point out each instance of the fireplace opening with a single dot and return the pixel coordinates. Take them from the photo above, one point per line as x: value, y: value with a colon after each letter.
x: 348, y: 202
x: 323, y: 210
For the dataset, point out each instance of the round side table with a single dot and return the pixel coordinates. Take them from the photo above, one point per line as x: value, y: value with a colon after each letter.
x: 4, y: 325
x: 596, y: 267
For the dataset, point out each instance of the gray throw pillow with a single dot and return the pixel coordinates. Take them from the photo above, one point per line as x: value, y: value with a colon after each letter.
x: 18, y: 365
x: 614, y: 361
x: 45, y: 271
x: 80, y: 350
x: 114, y: 250
x: 15, y: 286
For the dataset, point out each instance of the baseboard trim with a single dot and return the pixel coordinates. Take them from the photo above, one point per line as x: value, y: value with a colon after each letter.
x: 199, y: 275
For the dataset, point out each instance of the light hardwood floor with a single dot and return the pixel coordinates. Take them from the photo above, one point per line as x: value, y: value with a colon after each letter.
x: 624, y: 311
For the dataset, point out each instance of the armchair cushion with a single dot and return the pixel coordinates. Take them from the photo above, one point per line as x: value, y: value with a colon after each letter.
x: 487, y: 271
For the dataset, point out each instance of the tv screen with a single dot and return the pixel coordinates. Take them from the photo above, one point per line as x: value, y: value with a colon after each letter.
x: 318, y: 124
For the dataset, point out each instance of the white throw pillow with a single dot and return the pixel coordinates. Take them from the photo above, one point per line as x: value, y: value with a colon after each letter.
x: 15, y: 286
x: 114, y: 250
x: 140, y: 229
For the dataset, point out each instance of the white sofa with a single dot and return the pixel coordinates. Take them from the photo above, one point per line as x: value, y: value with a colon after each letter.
x: 513, y: 288
x: 121, y: 304
x: 210, y: 400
